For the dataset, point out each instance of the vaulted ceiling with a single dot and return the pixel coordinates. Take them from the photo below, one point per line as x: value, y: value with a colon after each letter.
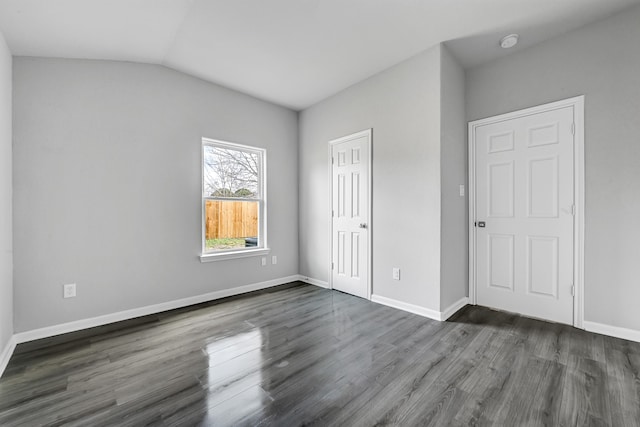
x: 290, y: 52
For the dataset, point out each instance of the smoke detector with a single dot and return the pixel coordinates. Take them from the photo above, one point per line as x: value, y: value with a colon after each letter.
x: 509, y: 41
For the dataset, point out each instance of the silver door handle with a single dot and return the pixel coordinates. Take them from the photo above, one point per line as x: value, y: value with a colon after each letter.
x: 363, y: 225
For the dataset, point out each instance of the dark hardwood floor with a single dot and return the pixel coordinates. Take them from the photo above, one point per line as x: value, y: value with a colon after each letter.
x: 301, y: 355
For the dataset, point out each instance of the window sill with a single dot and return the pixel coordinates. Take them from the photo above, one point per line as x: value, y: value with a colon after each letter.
x: 233, y: 255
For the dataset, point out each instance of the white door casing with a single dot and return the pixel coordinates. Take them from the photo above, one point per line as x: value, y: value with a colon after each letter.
x: 526, y: 181
x: 350, y: 164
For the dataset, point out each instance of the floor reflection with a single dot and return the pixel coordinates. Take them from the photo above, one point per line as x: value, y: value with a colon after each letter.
x: 234, y: 377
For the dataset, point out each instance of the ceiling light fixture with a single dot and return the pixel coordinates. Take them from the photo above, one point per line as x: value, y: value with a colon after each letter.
x: 509, y: 41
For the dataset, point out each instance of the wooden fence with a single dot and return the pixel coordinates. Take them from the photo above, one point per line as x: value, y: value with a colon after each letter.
x: 228, y: 219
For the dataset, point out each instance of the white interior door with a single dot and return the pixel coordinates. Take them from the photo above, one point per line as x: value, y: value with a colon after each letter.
x: 524, y: 175
x: 350, y: 232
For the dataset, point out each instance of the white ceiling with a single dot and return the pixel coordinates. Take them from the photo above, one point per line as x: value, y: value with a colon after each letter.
x: 291, y: 52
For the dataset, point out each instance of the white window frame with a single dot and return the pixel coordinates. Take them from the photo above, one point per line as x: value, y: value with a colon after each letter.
x: 262, y: 248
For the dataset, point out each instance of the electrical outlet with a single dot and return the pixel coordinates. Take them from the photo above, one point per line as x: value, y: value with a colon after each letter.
x: 264, y: 261
x: 274, y: 259
x: 69, y: 290
x: 461, y: 190
x: 396, y: 273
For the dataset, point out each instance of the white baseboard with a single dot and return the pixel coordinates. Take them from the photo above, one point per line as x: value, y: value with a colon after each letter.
x: 422, y: 311
x: 6, y: 354
x: 78, y: 325
x: 453, y: 308
x: 314, y: 282
x: 612, y: 331
x: 411, y: 308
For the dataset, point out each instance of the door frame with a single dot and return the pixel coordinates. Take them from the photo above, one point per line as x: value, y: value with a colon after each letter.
x: 579, y: 196
x: 369, y: 134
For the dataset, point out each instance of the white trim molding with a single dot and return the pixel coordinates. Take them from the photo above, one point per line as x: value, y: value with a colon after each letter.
x: 6, y: 354
x: 315, y: 282
x: 579, y: 195
x: 405, y: 306
x: 453, y: 308
x: 421, y: 311
x: 223, y: 256
x: 612, y: 331
x: 78, y: 325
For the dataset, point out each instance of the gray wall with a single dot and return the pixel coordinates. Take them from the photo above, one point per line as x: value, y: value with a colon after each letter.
x: 601, y: 61
x: 107, y: 186
x: 454, y: 264
x: 402, y: 105
x: 6, y: 247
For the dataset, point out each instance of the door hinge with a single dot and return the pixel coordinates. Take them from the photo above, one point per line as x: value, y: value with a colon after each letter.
x: 332, y: 160
x: 573, y: 291
x: 333, y: 213
x: 332, y: 266
x: 573, y: 210
x: 573, y: 128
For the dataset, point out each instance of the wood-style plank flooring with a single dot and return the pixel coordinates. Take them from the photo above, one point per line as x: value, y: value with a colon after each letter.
x: 301, y: 355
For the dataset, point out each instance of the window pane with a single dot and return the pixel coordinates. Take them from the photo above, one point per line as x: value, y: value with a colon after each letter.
x: 230, y: 224
x: 230, y: 173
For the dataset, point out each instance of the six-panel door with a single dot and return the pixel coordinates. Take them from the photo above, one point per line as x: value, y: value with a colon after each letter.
x: 525, y: 197
x: 350, y: 199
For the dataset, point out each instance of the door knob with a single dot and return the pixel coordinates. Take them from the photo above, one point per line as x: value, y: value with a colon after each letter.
x: 481, y: 224
x: 363, y: 225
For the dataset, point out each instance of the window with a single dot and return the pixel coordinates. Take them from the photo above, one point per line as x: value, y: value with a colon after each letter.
x: 233, y: 200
